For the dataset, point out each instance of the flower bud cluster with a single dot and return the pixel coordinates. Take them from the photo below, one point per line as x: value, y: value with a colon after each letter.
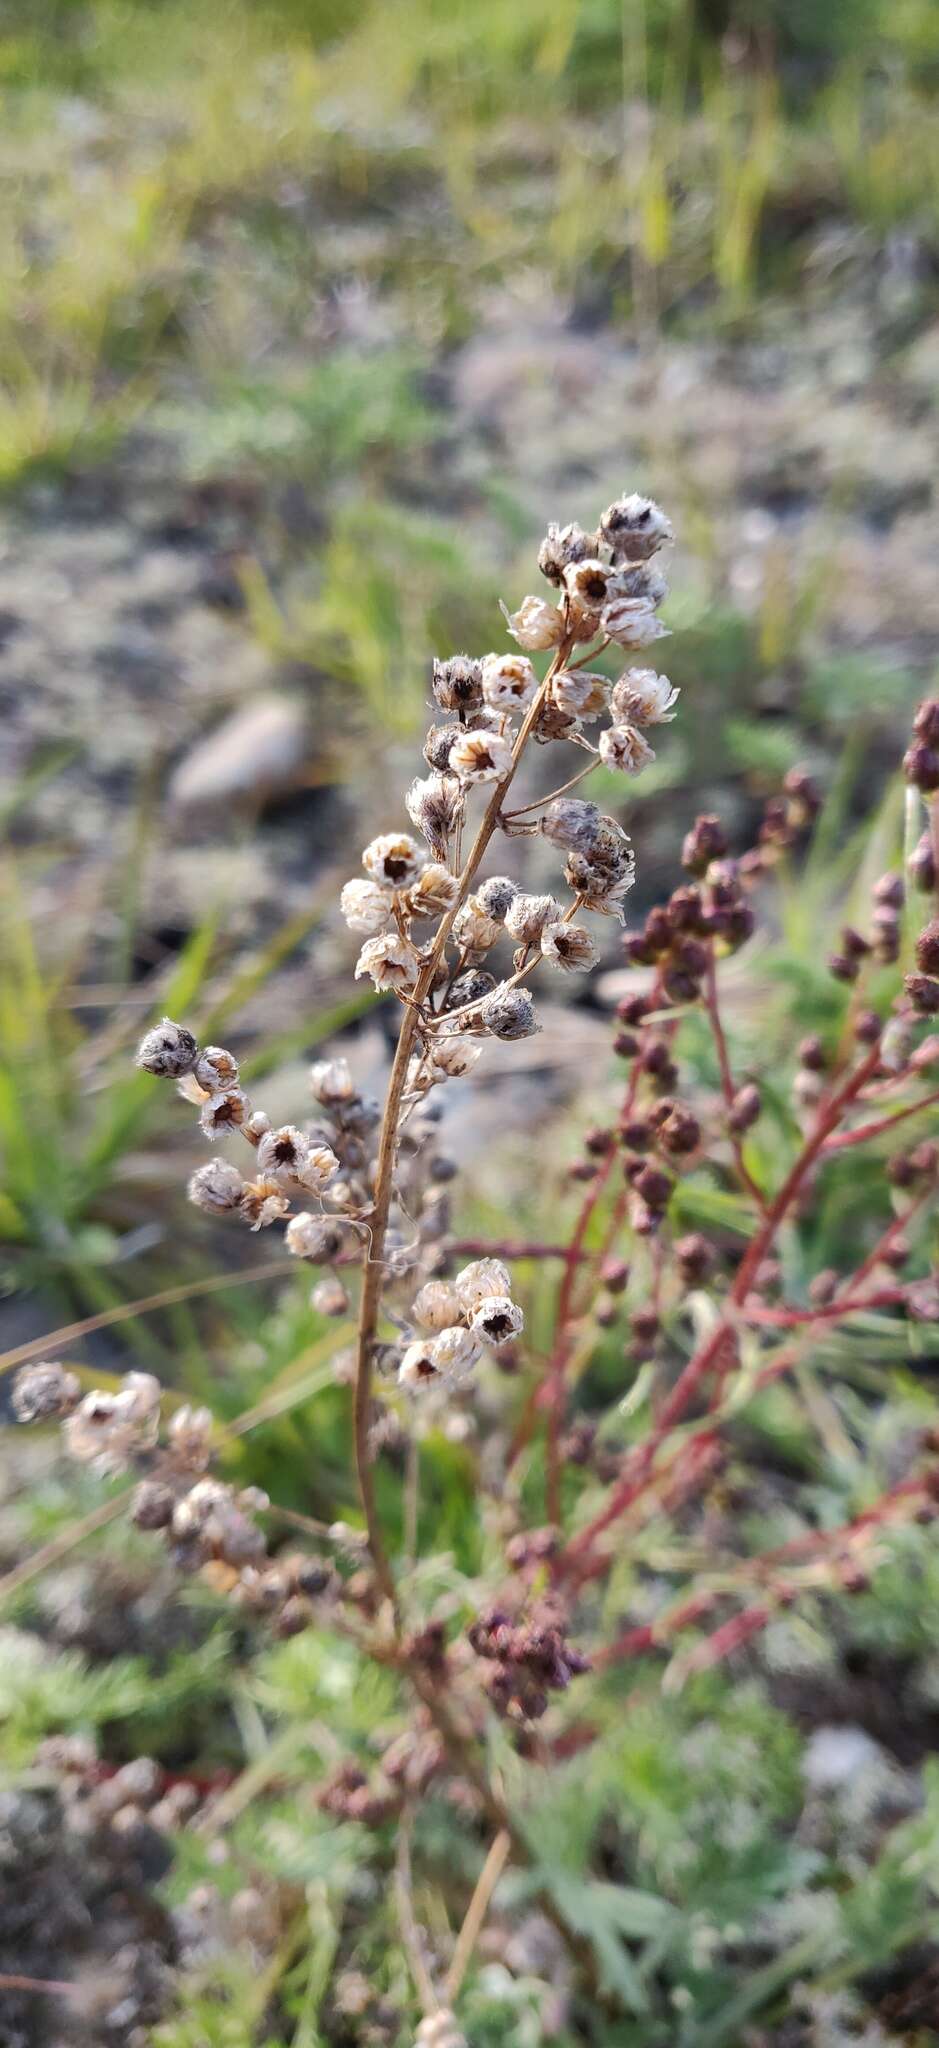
x: 528, y: 1660
x: 462, y: 1317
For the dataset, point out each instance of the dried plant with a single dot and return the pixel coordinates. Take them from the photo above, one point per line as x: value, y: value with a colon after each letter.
x: 707, y: 1322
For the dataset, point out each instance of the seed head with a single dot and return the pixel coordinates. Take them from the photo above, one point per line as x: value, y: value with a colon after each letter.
x: 473, y: 930
x: 451, y: 1057
x: 561, y: 546
x: 589, y: 584
x: 509, y: 1013
x: 572, y: 823
x: 927, y: 948
x: 394, y: 858
x: 189, y: 1436
x: 458, y: 683
x: 437, y: 746
x: 434, y: 802
x: 495, y: 896
x: 527, y: 916
x: 331, y: 1083
x: 216, y: 1187
x: 624, y: 747
x: 263, y: 1202
x: 329, y: 1298
x: 634, y: 528
x: 312, y: 1237
x: 169, y: 1050
x: 536, y: 625
x: 481, y: 757
x: 216, y: 1069
x: 223, y: 1113
x: 43, y: 1392
x: 107, y: 1430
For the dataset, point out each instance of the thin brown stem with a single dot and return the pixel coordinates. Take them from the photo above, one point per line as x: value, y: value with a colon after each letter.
x: 474, y: 1919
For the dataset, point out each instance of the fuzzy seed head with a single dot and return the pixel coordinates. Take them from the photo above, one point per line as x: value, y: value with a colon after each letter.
x: 561, y: 546
x: 434, y: 802
x: 458, y: 683
x: 455, y: 1352
x: 263, y: 1201
x: 216, y: 1069
x: 527, y: 916
x: 331, y: 1083
x: 509, y: 1013
x: 473, y: 931
x: 169, y: 1050
x: 366, y: 906
x: 217, y: 1187
x: 452, y: 1057
x: 44, y: 1392
x: 108, y: 1430
x: 590, y: 583
x: 571, y: 822
x: 311, y: 1237
x: 635, y: 528
x: 223, y: 1113
x: 495, y: 896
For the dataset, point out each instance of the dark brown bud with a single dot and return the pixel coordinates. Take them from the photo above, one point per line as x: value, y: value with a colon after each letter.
x: 921, y: 865
x: 625, y: 1045
x: 679, y: 986
x: 921, y: 766
x: 152, y: 1505
x: 598, y: 1141
x: 614, y: 1274
x: 680, y: 1133
x: 745, y: 1108
x: 923, y: 993
x: 633, y: 1009
x: 693, y: 1257
x: 812, y: 1054
x: 889, y: 889
x: 639, y: 950
x: 686, y: 909
x: 867, y: 1027
x: 842, y: 968
x: 654, y: 1187
x: 853, y: 943
x: 605, y: 1310
x: 927, y: 948
x: 644, y: 1326
x: 705, y: 842
x: 636, y: 1134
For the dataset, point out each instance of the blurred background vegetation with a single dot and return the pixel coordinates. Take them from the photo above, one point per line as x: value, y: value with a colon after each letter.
x: 311, y: 315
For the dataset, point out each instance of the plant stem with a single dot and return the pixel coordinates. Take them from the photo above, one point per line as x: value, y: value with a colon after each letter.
x: 476, y: 1914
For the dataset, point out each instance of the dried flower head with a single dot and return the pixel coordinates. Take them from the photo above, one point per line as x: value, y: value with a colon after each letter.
x: 394, y: 858
x: 497, y: 1319
x: 331, y: 1083
x: 216, y: 1187
x: 527, y: 916
x: 563, y: 545
x: 626, y: 748
x: 108, y: 1430
x: 482, y: 1279
x: 366, y: 906
x: 169, y: 1050
x: 495, y: 896
x: 223, y: 1113
x: 631, y: 622
x: 44, y: 1392
x: 509, y: 1013
x: 473, y: 930
x: 312, y: 1237
x: 391, y: 962
x: 641, y: 697
x: 569, y: 946
x: 436, y: 1305
x: 458, y: 683
x: 578, y: 693
x: 509, y: 682
x: 481, y: 757
x: 434, y: 803
x: 634, y: 528
x: 572, y: 823
x: 537, y: 625
x: 435, y: 891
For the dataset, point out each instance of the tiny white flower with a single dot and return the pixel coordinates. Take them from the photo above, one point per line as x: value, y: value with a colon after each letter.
x: 509, y: 681
x: 366, y: 906
x: 642, y: 697
x: 625, y: 748
x: 570, y: 946
x: 481, y: 757
x: 537, y: 625
x: 482, y: 1279
x: 391, y: 962
x: 393, y: 858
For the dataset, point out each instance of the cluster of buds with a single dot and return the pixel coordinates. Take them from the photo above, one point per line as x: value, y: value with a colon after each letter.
x: 527, y: 1660
x: 102, y: 1429
x: 402, y: 1774
x: 461, y: 1317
